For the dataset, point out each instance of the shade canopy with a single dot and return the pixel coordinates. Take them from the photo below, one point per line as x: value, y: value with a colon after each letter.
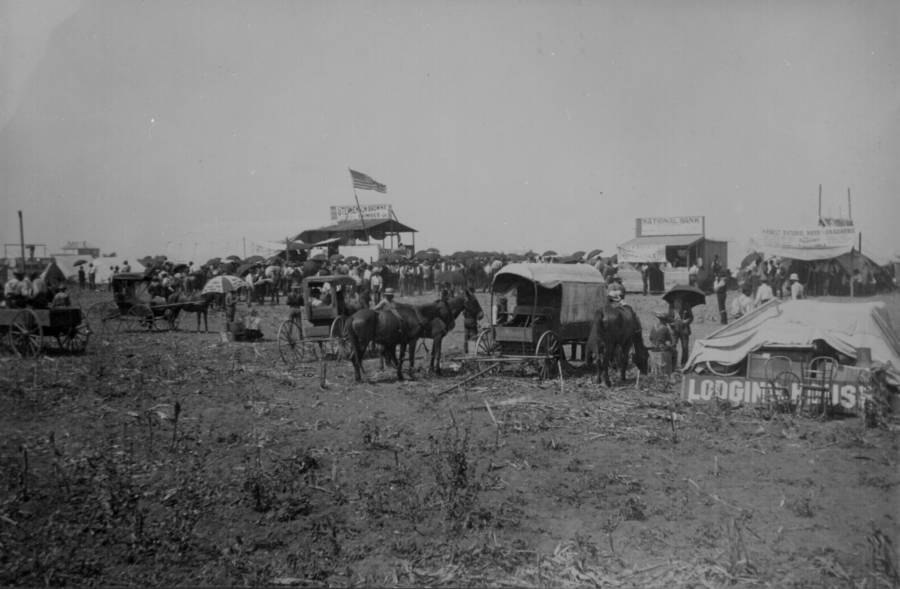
x: 356, y: 229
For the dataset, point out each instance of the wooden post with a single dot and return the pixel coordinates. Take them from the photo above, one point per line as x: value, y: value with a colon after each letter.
x: 22, y: 239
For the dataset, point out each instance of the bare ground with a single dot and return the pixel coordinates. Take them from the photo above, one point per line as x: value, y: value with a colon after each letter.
x: 173, y: 458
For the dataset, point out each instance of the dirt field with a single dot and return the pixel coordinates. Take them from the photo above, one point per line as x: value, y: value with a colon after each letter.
x: 173, y: 458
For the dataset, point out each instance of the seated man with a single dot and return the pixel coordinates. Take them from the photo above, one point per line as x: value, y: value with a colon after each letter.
x: 61, y: 298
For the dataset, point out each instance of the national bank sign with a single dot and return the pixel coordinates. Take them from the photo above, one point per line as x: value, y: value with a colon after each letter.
x: 658, y: 226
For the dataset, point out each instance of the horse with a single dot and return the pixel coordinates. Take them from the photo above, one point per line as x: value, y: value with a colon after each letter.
x: 405, y: 328
x: 615, y: 331
x: 198, y: 304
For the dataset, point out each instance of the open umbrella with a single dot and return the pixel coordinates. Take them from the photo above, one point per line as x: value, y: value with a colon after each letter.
x: 80, y: 262
x: 579, y: 254
x: 692, y: 295
x: 549, y: 253
x: 223, y: 283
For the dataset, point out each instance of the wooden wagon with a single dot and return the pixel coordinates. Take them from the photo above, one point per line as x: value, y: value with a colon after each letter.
x: 537, y: 310
x: 315, y: 327
x: 25, y: 329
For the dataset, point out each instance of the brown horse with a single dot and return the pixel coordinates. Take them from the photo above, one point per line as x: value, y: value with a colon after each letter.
x: 616, y: 331
x: 198, y: 303
x: 405, y: 328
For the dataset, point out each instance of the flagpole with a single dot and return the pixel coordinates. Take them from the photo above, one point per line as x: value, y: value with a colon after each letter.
x: 361, y: 220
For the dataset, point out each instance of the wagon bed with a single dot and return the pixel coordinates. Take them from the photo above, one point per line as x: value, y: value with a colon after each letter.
x: 25, y: 329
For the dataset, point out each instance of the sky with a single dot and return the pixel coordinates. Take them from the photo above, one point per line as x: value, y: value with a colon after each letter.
x: 192, y: 128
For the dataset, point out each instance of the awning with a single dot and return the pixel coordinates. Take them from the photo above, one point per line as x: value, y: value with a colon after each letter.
x: 653, y: 248
x: 356, y: 229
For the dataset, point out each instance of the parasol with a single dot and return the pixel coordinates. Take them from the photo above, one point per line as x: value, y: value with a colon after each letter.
x: 549, y: 253
x: 80, y: 262
x: 692, y: 295
x: 223, y: 283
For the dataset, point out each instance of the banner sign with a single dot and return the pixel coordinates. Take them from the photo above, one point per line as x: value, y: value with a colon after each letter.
x: 655, y: 226
x: 746, y: 391
x: 808, y: 239
x: 635, y: 253
x: 351, y: 212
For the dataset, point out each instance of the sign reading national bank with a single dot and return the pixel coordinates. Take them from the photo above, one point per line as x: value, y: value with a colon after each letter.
x: 658, y: 226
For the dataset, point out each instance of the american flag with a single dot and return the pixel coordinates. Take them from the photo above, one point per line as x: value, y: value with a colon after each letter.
x: 366, y: 182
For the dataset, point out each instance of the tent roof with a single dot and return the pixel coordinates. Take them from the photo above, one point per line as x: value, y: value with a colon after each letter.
x: 666, y: 240
x: 377, y: 228
x: 797, y: 324
x: 547, y: 275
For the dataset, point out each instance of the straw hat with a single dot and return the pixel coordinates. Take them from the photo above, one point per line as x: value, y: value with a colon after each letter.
x: 389, y: 292
x: 794, y: 277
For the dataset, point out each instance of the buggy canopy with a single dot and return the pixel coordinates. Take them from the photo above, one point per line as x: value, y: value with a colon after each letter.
x: 846, y: 327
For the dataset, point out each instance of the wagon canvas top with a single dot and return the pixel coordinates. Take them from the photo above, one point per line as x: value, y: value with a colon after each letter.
x: 547, y: 275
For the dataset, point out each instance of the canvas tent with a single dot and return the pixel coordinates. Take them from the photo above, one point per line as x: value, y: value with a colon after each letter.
x: 66, y: 263
x: 53, y: 276
x: 845, y: 327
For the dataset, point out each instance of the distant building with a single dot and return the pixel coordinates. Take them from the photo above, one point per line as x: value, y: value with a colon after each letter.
x: 81, y: 248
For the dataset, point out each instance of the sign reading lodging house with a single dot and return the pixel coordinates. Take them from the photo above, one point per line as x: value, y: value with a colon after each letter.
x: 658, y: 226
x: 745, y: 391
x: 351, y: 212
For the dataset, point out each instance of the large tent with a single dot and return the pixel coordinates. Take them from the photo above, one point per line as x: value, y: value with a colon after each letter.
x: 846, y: 327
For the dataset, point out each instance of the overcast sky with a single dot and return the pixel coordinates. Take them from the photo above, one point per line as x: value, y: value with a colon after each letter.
x: 184, y: 127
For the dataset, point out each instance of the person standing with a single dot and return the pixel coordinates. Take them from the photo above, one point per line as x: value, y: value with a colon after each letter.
x: 682, y: 317
x: 645, y: 277
x: 796, y: 288
x: 81, y: 277
x: 662, y: 339
x: 720, y: 286
x: 763, y: 292
x: 92, y: 276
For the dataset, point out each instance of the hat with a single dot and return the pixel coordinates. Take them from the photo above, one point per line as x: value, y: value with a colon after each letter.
x: 794, y: 277
x: 389, y: 291
x: 662, y: 315
x: 615, y: 296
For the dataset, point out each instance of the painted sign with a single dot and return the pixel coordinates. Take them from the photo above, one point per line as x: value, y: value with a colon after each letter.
x: 808, y: 239
x: 352, y: 212
x: 747, y: 391
x: 654, y: 226
x: 635, y: 253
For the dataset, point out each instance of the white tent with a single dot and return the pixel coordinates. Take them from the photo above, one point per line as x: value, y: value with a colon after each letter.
x: 105, y: 265
x: 846, y: 327
x: 66, y: 263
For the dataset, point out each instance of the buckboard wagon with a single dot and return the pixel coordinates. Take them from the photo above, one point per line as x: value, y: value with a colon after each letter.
x: 24, y: 329
x: 537, y: 310
x: 132, y: 307
x: 315, y: 328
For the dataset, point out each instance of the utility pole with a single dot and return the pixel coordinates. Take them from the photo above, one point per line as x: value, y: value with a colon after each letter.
x: 22, y: 239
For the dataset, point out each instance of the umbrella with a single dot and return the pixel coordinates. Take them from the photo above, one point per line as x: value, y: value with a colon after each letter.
x: 80, y: 262
x: 223, y: 283
x: 579, y: 254
x: 594, y: 254
x: 549, y: 253
x: 692, y: 295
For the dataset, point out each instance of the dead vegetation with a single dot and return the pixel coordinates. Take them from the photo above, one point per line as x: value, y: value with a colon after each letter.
x: 175, y: 459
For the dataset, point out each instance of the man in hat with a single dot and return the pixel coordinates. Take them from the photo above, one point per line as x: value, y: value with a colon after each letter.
x: 720, y: 286
x: 796, y: 288
x: 681, y: 317
x: 763, y: 291
x: 387, y: 304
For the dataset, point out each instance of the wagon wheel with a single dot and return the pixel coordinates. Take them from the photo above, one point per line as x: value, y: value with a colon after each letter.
x: 25, y: 334
x: 550, y: 351
x: 143, y: 314
x: 485, y: 344
x: 339, y: 345
x: 75, y: 339
x: 104, y: 317
x: 291, y: 346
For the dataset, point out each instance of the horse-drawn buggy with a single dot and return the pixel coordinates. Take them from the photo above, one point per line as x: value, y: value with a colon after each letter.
x: 538, y: 310
x: 24, y: 329
x: 320, y: 306
x: 133, y: 307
